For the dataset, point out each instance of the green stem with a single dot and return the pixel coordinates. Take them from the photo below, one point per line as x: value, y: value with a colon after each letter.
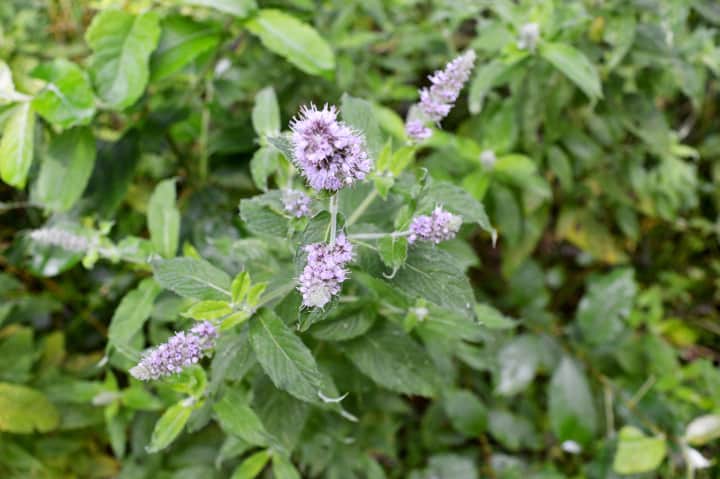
x: 333, y: 206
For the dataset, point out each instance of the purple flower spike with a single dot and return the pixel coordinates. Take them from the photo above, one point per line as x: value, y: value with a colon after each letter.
x: 329, y: 153
x: 441, y: 225
x: 437, y: 101
x: 417, y: 131
x: 296, y: 203
x: 324, y: 271
x: 180, y: 351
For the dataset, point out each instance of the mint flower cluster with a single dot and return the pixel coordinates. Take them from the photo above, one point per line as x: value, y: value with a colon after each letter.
x: 296, y: 203
x: 440, y: 226
x: 329, y: 154
x: 324, y: 271
x: 184, y: 349
x: 437, y: 100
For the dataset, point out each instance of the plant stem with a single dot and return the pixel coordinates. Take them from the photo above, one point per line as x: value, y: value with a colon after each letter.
x: 333, y: 206
x: 370, y: 236
x: 362, y: 207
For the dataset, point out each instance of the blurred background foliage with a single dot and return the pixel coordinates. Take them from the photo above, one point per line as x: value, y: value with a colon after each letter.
x: 596, y: 155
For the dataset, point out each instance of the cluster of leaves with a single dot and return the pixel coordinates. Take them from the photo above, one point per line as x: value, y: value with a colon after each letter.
x: 583, y: 343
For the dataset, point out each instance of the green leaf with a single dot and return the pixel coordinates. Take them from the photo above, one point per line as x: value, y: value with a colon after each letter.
x: 572, y: 411
x: 491, y: 318
x: 16, y: 146
x: 637, y: 453
x: 133, y: 311
x: 192, y: 278
x: 240, y: 286
x: 236, y: 417
x: 266, y: 113
x: 168, y: 427
x: 298, y: 42
x: 607, y: 301
x: 467, y: 413
x: 264, y: 215
x: 163, y: 219
x: 210, y: 309
x: 703, y: 429
x: 252, y: 466
x: 344, y: 327
x: 360, y: 114
x: 66, y: 170
x: 283, y: 468
x: 393, y: 251
x: 182, y: 41
x: 286, y: 360
x: 432, y: 274
x: 24, y: 410
x: 518, y: 361
x: 121, y: 45
x: 389, y: 357
x: 283, y: 144
x: 239, y: 8
x: 573, y: 64
x: 67, y: 99
x: 8, y: 94
x: 262, y: 165
x: 486, y: 77
x: 456, y: 200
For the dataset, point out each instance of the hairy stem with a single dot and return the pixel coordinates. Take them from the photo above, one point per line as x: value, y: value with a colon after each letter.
x: 333, y: 206
x: 370, y: 236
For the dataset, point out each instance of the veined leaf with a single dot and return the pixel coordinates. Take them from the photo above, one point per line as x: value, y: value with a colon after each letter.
x: 16, y: 146
x: 133, y: 311
x: 169, y: 426
x: 573, y: 64
x: 192, y: 278
x: 164, y: 219
x: 24, y: 410
x: 121, y: 44
x: 298, y: 42
x: 67, y: 99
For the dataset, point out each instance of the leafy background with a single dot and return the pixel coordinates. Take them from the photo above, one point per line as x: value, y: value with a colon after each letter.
x: 595, y: 346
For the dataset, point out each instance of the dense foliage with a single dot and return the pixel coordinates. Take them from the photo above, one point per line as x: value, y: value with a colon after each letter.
x: 177, y: 301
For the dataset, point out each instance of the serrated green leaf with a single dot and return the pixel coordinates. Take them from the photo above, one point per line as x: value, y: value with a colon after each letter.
x: 67, y: 99
x: 192, y: 278
x: 607, y: 301
x: 467, y: 413
x: 266, y: 113
x: 209, y: 309
x: 298, y: 42
x: 169, y: 427
x: 164, y: 219
x: 637, y: 453
x: 572, y: 411
x: 432, y: 274
x: 456, y: 200
x: 182, y: 41
x: 240, y: 286
x: 66, y: 170
x: 263, y: 164
x: 252, y: 466
x: 16, y: 146
x: 286, y: 360
x: 133, y: 311
x: 573, y: 64
x: 236, y: 417
x: 389, y: 357
x: 393, y: 251
x: 121, y: 43
x: 24, y: 410
x: 263, y: 215
x: 239, y: 8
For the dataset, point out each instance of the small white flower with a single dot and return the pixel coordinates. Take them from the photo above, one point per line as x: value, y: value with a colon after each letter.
x: 572, y: 447
x: 529, y: 36
x: 488, y: 159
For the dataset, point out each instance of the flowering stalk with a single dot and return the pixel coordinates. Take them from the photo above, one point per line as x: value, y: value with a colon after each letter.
x: 182, y: 350
x: 324, y: 271
x: 333, y: 207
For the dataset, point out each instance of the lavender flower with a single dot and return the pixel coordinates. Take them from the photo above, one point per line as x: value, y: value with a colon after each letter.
x: 180, y: 351
x: 296, y: 203
x: 439, y: 226
x: 529, y: 36
x: 324, y: 271
x: 62, y: 238
x: 417, y: 131
x: 437, y: 101
x: 329, y: 153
